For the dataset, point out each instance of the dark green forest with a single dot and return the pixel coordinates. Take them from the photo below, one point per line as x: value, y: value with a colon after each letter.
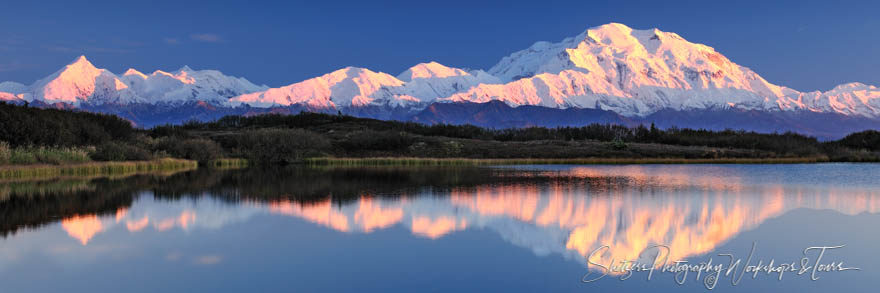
x: 287, y: 139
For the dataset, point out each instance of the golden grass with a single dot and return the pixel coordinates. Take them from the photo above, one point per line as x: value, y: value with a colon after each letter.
x: 92, y: 169
x: 405, y: 161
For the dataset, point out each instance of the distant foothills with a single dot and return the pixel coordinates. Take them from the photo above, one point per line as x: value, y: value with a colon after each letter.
x: 611, y: 74
x: 37, y: 136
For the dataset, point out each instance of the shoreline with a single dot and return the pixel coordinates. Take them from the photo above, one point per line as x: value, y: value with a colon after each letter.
x: 93, y: 169
x: 413, y: 161
x: 123, y: 168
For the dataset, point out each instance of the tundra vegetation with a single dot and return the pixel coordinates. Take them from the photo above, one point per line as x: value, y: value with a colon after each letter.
x: 32, y: 136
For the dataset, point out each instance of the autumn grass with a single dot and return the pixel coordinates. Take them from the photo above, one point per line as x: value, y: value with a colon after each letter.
x: 535, y: 161
x: 91, y: 169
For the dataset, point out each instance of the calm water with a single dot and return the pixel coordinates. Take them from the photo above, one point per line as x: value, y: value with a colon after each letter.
x: 511, y: 229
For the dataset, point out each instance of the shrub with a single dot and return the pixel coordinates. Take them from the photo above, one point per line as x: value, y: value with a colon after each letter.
x: 452, y: 148
x: 617, y: 144
x: 199, y: 149
x: 115, y: 151
x: 5, y: 152
x: 27, y: 126
x: 278, y: 146
x: 376, y: 140
x: 869, y: 140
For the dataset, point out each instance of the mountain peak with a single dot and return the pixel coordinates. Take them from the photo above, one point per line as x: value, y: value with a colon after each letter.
x: 851, y: 85
x: 134, y: 72
x: 81, y: 61
x: 74, y: 83
x: 79, y: 68
x: 612, y: 26
x: 430, y: 70
x: 615, y: 32
x: 619, y: 35
x: 363, y: 74
x: 353, y: 70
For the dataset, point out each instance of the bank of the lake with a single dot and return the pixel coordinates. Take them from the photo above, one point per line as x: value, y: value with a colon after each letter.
x: 91, y: 169
x: 104, y: 169
x: 405, y: 161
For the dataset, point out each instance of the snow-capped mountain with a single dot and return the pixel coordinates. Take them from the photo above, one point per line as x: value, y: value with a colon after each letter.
x: 432, y: 81
x: 633, y: 73
x: 612, y: 67
x: 613, y: 72
x: 347, y: 87
x: 852, y: 99
x: 80, y: 83
x: 187, y: 85
x: 359, y: 87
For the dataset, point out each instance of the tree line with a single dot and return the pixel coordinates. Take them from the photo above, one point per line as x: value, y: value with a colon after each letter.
x: 277, y: 138
x: 783, y: 143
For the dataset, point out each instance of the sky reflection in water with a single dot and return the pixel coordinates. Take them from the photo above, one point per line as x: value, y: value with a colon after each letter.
x: 206, y: 225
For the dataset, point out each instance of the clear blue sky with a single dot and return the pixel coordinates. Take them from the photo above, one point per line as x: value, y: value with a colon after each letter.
x: 806, y: 45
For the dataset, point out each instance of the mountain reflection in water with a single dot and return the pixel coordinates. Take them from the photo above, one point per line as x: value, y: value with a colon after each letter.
x: 563, y: 210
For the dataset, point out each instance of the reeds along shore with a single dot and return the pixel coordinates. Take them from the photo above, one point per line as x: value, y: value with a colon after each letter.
x: 529, y: 161
x: 94, y: 168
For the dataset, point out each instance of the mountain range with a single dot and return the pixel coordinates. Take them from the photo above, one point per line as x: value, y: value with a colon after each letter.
x: 607, y: 74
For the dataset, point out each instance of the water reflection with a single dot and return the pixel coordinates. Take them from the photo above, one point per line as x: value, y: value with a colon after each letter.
x: 568, y: 211
x: 694, y: 214
x: 82, y: 228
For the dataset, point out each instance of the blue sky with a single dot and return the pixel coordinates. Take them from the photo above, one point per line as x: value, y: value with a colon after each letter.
x: 807, y: 45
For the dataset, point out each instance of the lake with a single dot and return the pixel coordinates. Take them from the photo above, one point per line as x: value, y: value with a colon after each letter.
x: 553, y: 228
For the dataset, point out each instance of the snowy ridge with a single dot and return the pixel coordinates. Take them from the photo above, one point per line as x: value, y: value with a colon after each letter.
x: 187, y: 85
x: 432, y: 81
x: 855, y: 99
x: 634, y: 73
x: 350, y: 86
x: 81, y: 83
x: 359, y: 87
